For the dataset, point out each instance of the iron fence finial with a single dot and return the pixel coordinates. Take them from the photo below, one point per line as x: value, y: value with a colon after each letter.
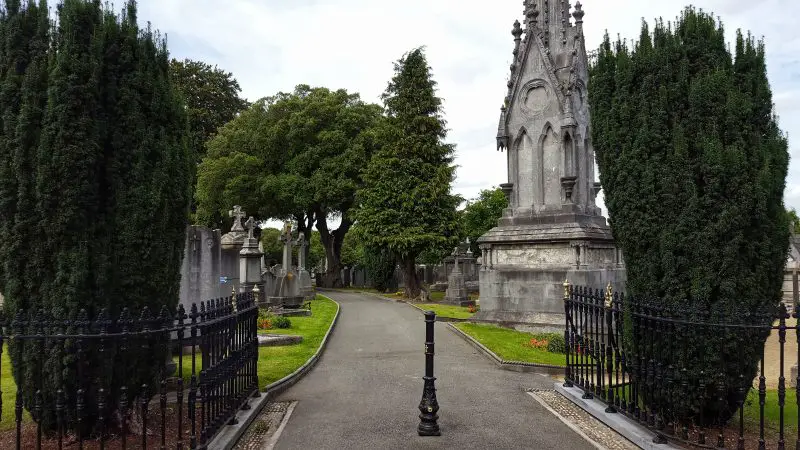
x: 609, y: 295
x: 566, y: 289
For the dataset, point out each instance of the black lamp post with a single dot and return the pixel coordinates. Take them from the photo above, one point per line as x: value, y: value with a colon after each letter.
x: 428, y: 406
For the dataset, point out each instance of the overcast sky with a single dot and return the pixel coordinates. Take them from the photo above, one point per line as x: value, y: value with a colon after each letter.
x: 273, y: 45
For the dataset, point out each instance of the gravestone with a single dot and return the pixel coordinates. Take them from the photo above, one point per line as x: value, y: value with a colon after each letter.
x: 456, y: 293
x: 552, y: 229
x: 287, y: 292
x: 201, y: 267
x: 250, y: 263
x: 306, y: 288
x: 231, y: 244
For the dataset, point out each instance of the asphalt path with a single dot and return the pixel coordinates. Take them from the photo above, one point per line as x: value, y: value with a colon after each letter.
x: 364, y: 392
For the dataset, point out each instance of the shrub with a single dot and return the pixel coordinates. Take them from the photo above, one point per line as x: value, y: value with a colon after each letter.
x: 556, y: 343
x: 281, y: 322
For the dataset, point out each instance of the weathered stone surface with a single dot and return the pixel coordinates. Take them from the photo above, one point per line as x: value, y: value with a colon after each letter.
x: 552, y: 229
x: 201, y: 268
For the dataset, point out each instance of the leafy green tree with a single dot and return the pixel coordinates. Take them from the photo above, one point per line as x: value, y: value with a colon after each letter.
x: 406, y: 206
x: 693, y: 166
x: 101, y: 174
x: 273, y: 248
x: 481, y: 215
x: 293, y: 156
x: 212, y: 99
x: 794, y: 221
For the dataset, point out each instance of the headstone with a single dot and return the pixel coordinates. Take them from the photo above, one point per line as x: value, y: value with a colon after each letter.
x: 201, y: 268
x: 306, y: 288
x: 287, y: 292
x: 456, y: 293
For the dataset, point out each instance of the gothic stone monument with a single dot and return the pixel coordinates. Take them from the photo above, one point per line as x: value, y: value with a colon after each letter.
x: 232, y: 243
x: 552, y: 229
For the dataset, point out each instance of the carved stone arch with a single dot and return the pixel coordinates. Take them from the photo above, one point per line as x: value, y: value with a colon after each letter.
x: 549, y: 149
x: 569, y: 152
x: 518, y: 158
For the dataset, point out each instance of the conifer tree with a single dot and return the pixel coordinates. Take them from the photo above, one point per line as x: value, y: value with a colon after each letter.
x: 406, y: 206
x: 693, y: 166
x: 95, y: 170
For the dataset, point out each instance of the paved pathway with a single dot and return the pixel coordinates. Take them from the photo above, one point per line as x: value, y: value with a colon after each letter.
x: 365, y: 390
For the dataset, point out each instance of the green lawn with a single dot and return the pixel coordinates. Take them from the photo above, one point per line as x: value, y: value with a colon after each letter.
x: 510, y: 345
x: 451, y: 311
x: 771, y: 412
x: 275, y: 363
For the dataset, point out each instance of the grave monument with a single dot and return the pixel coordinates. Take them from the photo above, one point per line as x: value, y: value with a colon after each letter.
x: 287, y: 284
x: 231, y: 244
x: 552, y: 229
x: 457, y: 293
x: 250, y: 262
x: 306, y: 288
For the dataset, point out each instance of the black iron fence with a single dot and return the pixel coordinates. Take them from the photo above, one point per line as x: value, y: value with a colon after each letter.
x: 709, y: 379
x: 166, y: 380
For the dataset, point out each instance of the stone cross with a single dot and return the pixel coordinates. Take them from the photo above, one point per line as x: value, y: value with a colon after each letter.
x: 455, y: 256
x: 250, y: 225
x: 237, y: 215
x: 301, y: 252
x: 286, y: 238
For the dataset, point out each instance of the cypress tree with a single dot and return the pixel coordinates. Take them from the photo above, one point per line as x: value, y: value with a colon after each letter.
x: 406, y: 206
x: 97, y: 144
x: 693, y: 165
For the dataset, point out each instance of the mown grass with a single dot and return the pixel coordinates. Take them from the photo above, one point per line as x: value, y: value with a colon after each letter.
x: 510, y: 345
x: 275, y: 363
x: 450, y: 311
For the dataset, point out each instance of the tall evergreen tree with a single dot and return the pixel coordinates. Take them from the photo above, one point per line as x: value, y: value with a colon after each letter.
x: 693, y: 165
x: 406, y: 206
x: 97, y: 184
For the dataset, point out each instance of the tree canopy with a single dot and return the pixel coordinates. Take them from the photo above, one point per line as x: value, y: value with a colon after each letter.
x: 406, y: 205
x: 295, y: 155
x: 693, y: 166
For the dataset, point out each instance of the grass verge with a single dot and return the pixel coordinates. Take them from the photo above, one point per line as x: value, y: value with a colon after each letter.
x: 510, y: 345
x: 275, y: 363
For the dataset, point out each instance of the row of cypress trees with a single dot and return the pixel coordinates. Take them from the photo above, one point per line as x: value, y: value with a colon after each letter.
x: 94, y: 187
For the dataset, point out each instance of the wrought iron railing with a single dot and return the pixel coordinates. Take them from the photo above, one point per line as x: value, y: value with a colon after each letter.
x: 723, y: 389
x: 213, y: 349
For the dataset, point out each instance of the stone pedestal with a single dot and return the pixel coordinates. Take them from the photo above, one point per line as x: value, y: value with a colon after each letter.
x: 457, y: 293
x: 250, y: 263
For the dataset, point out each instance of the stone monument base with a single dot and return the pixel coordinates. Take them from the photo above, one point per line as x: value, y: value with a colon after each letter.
x: 533, y: 298
x: 294, y: 302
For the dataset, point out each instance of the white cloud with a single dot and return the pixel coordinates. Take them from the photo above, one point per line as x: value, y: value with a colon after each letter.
x: 273, y: 45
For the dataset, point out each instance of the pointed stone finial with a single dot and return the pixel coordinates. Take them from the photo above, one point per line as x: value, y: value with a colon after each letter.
x: 517, y: 30
x: 531, y: 13
x: 578, y: 13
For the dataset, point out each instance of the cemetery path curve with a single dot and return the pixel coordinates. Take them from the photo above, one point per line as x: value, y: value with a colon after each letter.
x: 364, y: 392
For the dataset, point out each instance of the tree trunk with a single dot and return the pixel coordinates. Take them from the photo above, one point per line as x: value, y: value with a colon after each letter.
x: 413, y: 287
x: 332, y: 241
